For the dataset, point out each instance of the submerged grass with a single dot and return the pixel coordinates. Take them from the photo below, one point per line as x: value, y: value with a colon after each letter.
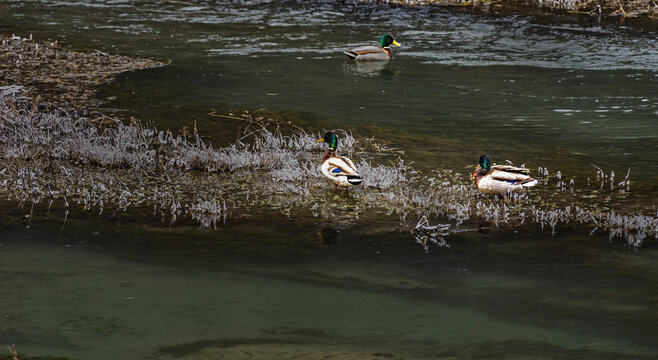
x: 101, y: 164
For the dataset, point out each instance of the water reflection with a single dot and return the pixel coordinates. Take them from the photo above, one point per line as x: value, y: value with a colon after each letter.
x: 329, y: 234
x: 382, y: 69
x: 240, y: 296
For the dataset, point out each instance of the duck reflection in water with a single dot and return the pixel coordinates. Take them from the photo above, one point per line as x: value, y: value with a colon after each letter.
x: 332, y: 222
x: 371, y: 68
x: 329, y: 234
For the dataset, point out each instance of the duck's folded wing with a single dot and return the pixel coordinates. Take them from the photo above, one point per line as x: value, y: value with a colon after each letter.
x: 348, y: 162
x: 364, y: 50
x: 342, y: 166
x: 510, y: 168
x: 508, y: 176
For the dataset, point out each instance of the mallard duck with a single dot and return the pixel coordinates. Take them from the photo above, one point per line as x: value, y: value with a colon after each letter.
x: 501, y: 179
x: 373, y: 53
x: 339, y: 169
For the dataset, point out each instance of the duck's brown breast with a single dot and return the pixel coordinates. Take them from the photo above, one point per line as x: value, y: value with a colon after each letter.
x: 478, y: 174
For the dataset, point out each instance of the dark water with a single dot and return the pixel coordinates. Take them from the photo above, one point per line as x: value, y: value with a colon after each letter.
x: 559, y: 95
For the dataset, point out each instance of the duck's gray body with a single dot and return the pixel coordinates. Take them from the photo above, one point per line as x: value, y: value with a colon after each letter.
x: 369, y: 53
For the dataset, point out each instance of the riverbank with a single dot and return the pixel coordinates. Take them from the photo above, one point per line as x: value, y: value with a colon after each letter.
x: 638, y: 13
x: 621, y: 8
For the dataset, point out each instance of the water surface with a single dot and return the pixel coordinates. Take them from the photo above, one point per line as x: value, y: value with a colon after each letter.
x: 563, y: 95
x: 130, y: 292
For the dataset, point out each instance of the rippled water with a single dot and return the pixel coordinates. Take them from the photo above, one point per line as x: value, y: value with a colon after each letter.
x: 561, y: 95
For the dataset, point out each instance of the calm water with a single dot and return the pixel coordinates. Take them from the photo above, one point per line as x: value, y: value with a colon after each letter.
x: 132, y: 292
x: 563, y: 96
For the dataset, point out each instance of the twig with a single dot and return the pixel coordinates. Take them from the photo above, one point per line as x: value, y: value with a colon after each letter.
x: 598, y: 168
x: 120, y: 181
x: 12, y: 351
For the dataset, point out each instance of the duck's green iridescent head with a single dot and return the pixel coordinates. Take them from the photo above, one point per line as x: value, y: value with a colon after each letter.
x: 331, y: 139
x: 387, y: 40
x: 485, y: 163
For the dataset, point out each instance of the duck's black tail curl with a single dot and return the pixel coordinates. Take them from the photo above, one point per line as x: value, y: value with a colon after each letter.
x: 350, y: 54
x: 354, y: 180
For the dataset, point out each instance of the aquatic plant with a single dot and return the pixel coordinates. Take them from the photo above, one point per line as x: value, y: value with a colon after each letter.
x: 12, y: 351
x: 424, y: 232
x: 105, y: 164
x: 208, y: 212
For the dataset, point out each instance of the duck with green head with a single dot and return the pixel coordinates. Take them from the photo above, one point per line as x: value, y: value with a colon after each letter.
x: 501, y: 179
x: 339, y: 169
x: 373, y: 53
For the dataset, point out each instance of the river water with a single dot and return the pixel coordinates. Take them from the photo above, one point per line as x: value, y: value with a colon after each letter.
x: 559, y: 95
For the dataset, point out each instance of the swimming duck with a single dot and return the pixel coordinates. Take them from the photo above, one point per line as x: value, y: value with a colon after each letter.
x: 501, y: 179
x: 373, y: 53
x: 339, y: 169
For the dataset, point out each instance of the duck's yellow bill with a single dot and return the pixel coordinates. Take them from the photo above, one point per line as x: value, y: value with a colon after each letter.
x: 321, y: 140
x: 396, y: 43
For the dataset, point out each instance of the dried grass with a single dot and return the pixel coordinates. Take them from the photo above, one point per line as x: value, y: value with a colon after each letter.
x: 12, y: 351
x: 64, y: 77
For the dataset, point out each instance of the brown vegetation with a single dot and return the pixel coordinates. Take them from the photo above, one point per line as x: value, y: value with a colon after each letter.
x: 62, y: 76
x: 624, y: 8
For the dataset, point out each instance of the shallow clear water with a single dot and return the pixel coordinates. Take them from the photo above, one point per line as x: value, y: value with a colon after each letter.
x: 559, y: 95
x: 129, y: 292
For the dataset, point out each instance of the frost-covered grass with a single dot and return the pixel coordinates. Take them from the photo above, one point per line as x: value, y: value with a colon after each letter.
x: 102, y: 164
